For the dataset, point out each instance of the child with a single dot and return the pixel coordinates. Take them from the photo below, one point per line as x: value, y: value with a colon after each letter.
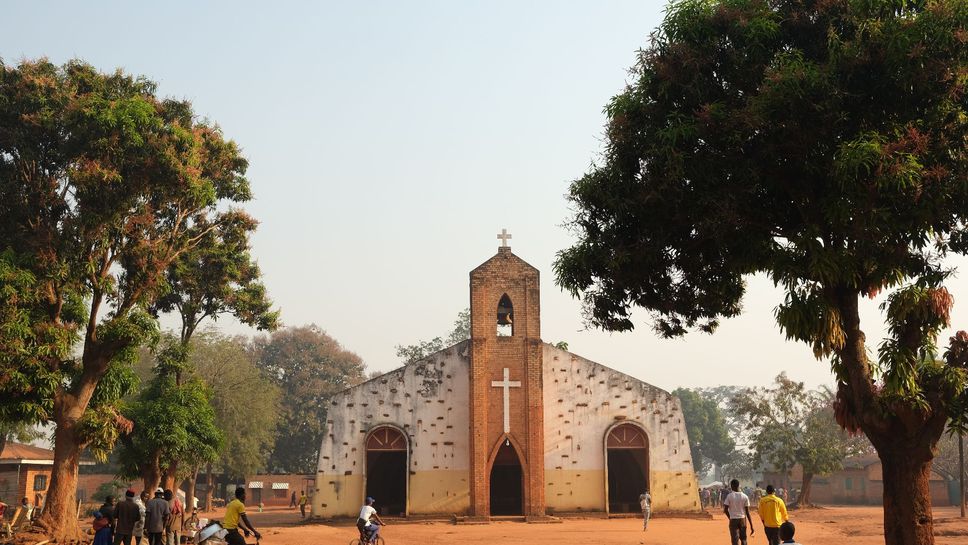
x: 102, y: 529
x: 787, y: 529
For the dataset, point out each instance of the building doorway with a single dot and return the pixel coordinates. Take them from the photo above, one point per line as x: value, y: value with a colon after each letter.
x: 627, y: 458
x: 386, y: 470
x: 507, y: 483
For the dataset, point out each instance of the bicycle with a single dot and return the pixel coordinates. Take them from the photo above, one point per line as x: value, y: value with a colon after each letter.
x: 378, y: 540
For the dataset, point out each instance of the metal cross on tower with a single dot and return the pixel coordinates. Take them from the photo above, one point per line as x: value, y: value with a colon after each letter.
x: 503, y: 237
x: 506, y: 384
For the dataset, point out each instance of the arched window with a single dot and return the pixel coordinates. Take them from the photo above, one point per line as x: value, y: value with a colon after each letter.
x: 505, y: 317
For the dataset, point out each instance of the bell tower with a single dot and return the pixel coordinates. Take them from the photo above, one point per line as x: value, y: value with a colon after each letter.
x: 506, y: 408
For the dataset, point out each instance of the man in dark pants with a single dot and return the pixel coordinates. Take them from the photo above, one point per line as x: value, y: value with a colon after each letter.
x: 235, y: 518
x: 126, y: 515
x: 773, y: 513
x: 157, y: 513
x: 736, y: 506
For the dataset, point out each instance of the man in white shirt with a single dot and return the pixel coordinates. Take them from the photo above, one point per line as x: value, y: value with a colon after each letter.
x: 364, y: 523
x: 736, y: 506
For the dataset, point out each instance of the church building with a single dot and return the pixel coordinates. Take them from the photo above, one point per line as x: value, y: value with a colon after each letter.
x: 504, y: 424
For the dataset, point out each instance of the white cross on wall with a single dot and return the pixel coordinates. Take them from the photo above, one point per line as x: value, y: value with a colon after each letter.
x: 507, y: 384
x: 503, y: 237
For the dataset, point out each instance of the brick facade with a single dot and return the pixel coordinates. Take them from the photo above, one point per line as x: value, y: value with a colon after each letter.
x: 520, y: 353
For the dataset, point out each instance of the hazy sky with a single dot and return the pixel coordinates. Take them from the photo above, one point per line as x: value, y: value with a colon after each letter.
x: 389, y: 142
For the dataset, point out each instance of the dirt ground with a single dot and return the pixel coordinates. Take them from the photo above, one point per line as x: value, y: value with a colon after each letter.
x: 854, y: 525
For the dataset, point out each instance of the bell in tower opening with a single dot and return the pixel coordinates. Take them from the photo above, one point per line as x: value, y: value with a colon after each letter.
x: 505, y: 317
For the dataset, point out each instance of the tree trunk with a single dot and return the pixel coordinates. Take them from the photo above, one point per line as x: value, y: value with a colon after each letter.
x: 804, y: 499
x: 151, y: 473
x: 907, y: 497
x: 210, y: 489
x: 59, y: 517
x: 190, y: 491
x: 961, y: 472
x: 170, y: 479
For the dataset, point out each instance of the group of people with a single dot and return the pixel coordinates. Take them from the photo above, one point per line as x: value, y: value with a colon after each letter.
x: 771, y: 509
x: 160, y: 519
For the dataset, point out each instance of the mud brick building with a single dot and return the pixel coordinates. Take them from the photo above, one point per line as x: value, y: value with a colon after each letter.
x: 504, y: 424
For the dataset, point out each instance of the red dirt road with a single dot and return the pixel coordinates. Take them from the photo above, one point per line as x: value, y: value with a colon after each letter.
x: 832, y: 525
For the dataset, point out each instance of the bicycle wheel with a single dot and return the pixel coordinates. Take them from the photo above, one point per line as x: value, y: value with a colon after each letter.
x: 355, y: 542
x: 378, y: 541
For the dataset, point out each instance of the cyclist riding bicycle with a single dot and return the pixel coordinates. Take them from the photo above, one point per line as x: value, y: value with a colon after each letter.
x: 365, y: 524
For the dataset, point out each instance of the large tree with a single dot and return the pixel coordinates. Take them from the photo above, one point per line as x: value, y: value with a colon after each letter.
x: 822, y: 143
x: 103, y: 185
x: 709, y: 440
x: 309, y: 367
x: 789, y: 425
x: 246, y: 403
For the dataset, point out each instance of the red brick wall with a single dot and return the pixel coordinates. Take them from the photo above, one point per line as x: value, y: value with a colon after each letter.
x: 278, y: 498
x: 490, y: 355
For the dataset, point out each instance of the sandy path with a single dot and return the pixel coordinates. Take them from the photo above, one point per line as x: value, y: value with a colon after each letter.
x: 853, y: 525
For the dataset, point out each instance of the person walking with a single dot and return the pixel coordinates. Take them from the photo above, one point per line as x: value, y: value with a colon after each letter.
x: 773, y: 513
x: 139, y: 527
x: 235, y: 518
x: 303, y: 500
x: 736, y: 507
x: 177, y: 519
x: 126, y: 515
x: 107, y: 511
x: 157, y: 513
x: 645, y: 502
x: 292, y: 500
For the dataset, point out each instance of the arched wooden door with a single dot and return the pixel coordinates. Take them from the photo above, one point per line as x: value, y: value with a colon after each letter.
x: 386, y: 470
x: 627, y: 467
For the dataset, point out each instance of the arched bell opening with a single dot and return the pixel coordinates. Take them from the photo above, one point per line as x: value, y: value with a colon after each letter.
x: 507, y: 482
x: 626, y: 467
x: 387, y: 462
x: 505, y: 317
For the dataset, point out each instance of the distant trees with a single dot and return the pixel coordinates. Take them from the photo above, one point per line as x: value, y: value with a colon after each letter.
x: 709, y: 440
x: 461, y: 332
x: 789, y: 425
x: 308, y: 366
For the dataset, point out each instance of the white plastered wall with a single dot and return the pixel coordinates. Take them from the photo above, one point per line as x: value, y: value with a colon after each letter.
x: 582, y: 401
x: 428, y: 400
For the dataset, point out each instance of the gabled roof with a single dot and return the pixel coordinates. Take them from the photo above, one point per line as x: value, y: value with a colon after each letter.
x: 19, y: 453
x: 501, y: 258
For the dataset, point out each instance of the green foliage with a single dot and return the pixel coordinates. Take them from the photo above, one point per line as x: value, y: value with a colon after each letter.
x: 709, y: 440
x: 103, y: 185
x: 819, y: 143
x: 308, y: 366
x: 461, y: 332
x: 173, y: 422
x: 789, y: 425
x: 246, y: 404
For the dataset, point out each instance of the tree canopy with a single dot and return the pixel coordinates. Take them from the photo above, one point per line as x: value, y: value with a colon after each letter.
x: 461, y: 332
x: 103, y: 185
x: 309, y: 367
x: 709, y: 440
x: 789, y: 425
x: 821, y: 144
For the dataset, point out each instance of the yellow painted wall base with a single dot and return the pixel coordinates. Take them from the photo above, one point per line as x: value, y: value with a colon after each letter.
x: 574, y: 490
x: 431, y: 493
x: 674, y: 491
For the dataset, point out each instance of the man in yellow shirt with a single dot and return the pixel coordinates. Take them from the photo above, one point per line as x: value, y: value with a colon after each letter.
x: 235, y: 518
x: 773, y: 513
